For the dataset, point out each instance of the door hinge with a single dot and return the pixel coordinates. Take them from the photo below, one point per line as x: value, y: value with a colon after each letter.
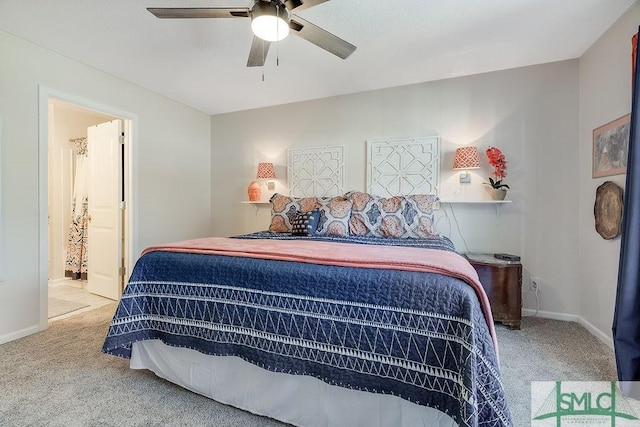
x: 122, y: 139
x: 122, y: 205
x: 122, y: 271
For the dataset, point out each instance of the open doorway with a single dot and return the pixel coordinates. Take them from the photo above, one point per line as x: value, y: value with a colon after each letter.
x: 65, y: 276
x: 68, y: 289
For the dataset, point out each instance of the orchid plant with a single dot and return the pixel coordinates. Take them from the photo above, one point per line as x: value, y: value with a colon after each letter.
x: 499, y: 163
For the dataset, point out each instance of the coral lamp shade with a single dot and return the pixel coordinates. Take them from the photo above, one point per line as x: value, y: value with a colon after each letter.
x: 266, y: 171
x: 466, y: 158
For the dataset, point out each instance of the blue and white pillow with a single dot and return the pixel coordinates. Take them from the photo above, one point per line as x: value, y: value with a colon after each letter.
x: 334, y: 216
x: 305, y: 223
x: 397, y: 217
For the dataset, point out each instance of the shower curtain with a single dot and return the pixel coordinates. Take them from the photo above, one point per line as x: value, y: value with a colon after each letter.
x: 76, y: 263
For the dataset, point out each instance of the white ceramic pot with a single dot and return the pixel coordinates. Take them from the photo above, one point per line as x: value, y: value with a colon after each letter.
x: 497, y: 193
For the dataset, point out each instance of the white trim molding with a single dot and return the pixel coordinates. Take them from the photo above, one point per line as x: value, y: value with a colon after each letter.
x: 20, y: 334
x: 131, y: 249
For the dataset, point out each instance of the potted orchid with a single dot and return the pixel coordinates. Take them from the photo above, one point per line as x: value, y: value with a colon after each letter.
x: 498, y: 161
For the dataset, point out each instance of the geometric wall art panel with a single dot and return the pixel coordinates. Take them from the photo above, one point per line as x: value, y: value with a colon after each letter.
x: 403, y: 166
x: 316, y: 171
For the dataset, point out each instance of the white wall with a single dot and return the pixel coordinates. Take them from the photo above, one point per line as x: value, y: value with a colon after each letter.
x: 605, y: 95
x: 173, y: 168
x: 530, y: 113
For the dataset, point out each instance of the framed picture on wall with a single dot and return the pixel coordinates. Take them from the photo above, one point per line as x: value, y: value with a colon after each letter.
x: 610, y: 144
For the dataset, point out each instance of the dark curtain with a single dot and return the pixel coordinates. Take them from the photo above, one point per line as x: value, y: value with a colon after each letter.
x: 626, y: 318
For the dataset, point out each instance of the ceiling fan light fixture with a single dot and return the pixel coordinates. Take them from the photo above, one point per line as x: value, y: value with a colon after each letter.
x: 269, y: 21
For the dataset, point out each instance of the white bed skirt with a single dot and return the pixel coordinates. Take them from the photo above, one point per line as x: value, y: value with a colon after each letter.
x: 295, y: 399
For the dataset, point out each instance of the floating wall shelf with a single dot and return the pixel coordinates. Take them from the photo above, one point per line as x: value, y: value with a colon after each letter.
x: 478, y: 202
x: 496, y: 203
x: 255, y: 204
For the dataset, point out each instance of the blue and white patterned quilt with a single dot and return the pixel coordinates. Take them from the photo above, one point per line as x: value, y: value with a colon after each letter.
x: 420, y: 336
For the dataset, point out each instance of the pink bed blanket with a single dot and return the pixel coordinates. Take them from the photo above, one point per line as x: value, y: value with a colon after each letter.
x: 343, y: 254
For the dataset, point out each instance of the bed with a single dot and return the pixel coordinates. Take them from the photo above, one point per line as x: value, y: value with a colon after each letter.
x: 317, y: 330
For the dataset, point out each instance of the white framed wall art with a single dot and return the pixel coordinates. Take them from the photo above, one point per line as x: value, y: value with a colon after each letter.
x: 403, y: 166
x: 316, y: 171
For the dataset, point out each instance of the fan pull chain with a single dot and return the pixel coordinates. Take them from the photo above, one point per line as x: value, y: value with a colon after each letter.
x: 263, y: 60
x: 277, y: 35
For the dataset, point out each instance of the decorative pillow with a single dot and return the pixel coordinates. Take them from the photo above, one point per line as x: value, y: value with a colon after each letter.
x: 418, y: 215
x: 284, y: 209
x: 398, y: 216
x: 334, y: 216
x: 364, y: 214
x: 305, y: 224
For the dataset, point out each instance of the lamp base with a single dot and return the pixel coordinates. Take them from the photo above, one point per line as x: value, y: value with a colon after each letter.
x: 254, y: 191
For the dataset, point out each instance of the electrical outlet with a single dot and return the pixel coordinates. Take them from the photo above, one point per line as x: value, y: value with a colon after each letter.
x: 534, y: 284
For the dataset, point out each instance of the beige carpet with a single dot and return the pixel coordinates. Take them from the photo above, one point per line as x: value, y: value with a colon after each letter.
x: 59, y: 377
x: 548, y: 350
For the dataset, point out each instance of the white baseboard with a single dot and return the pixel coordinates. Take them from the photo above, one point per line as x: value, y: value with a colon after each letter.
x: 571, y: 318
x: 19, y: 334
x: 596, y: 332
x: 549, y: 315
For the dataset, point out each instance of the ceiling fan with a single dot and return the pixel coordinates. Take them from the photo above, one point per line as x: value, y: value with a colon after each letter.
x: 271, y: 20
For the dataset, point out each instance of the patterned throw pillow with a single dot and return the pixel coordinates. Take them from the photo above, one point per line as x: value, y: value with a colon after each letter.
x: 284, y: 209
x: 334, y: 216
x: 399, y: 216
x: 364, y: 214
x: 418, y: 215
x: 305, y: 224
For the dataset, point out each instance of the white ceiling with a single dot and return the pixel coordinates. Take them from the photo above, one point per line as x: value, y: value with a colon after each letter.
x: 202, y: 62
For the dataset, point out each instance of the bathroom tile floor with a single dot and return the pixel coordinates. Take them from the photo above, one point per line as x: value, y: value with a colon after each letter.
x: 76, y: 290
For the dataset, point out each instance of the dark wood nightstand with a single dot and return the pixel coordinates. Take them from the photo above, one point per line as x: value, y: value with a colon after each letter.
x: 502, y: 281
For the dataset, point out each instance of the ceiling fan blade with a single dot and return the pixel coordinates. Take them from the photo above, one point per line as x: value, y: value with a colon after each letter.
x: 298, y: 5
x: 199, y: 12
x: 321, y: 38
x: 258, y: 52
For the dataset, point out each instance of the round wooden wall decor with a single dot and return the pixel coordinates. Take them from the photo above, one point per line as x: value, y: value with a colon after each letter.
x: 608, y: 210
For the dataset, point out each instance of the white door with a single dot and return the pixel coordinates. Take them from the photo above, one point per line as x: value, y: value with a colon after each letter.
x: 105, y: 225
